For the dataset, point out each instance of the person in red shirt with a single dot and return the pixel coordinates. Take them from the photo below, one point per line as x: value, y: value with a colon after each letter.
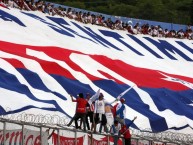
x: 90, y: 113
x: 80, y: 111
x: 126, y: 133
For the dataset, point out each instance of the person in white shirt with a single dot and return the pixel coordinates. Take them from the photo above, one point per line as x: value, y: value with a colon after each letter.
x: 99, y: 113
x: 109, y: 116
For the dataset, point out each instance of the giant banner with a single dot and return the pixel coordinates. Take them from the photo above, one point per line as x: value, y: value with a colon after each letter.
x: 45, y: 58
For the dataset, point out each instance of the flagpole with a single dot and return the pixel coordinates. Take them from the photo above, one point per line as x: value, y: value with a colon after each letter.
x: 123, y: 93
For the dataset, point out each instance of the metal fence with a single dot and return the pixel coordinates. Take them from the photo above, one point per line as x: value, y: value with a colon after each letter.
x: 28, y: 129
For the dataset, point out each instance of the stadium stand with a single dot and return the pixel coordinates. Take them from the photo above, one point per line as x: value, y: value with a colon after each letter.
x: 132, y: 25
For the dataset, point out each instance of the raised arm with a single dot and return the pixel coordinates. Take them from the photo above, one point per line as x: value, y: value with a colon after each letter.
x: 73, y: 100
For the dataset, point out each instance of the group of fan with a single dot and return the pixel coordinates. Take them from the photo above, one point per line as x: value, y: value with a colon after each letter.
x: 100, y: 114
x: 98, y: 19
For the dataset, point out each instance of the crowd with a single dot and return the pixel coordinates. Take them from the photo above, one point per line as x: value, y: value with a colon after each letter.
x: 89, y: 18
x: 100, y: 116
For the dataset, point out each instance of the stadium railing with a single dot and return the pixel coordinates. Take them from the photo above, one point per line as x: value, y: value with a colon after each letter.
x: 35, y: 128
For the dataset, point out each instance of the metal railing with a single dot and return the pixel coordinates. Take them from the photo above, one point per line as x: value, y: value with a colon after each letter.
x: 43, y: 122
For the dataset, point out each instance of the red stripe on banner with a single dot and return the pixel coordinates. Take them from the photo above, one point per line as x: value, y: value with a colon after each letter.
x: 17, y: 63
x: 49, y: 67
x: 141, y: 76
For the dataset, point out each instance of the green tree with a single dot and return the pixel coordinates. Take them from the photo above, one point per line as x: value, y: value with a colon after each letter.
x: 172, y: 11
x: 150, y: 10
x: 191, y: 13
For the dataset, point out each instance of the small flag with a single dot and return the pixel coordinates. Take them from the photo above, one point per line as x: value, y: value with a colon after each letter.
x: 94, y: 97
x: 123, y: 93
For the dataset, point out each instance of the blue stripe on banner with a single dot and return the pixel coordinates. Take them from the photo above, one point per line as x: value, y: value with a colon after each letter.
x: 73, y: 86
x: 177, y: 101
x: 30, y: 107
x: 35, y: 81
x: 10, y: 82
x: 111, y: 87
x: 168, y: 98
x: 180, y: 128
x: 2, y: 111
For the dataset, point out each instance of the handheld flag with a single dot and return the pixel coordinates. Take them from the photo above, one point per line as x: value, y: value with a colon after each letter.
x: 123, y: 93
x: 94, y: 97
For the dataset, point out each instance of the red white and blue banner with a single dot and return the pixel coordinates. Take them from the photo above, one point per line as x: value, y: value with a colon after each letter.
x: 45, y: 58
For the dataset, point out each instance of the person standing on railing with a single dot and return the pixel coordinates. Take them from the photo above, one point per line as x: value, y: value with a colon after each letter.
x: 89, y: 113
x: 80, y: 111
x: 121, y: 111
x: 115, y: 131
x: 126, y: 132
x: 99, y: 113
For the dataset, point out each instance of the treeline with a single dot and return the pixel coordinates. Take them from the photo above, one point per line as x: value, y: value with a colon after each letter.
x: 172, y: 11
